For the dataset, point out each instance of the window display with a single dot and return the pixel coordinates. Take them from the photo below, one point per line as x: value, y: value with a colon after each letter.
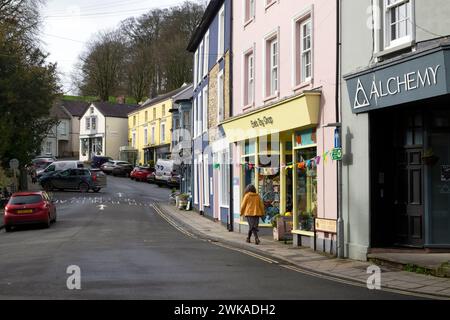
x: 269, y: 190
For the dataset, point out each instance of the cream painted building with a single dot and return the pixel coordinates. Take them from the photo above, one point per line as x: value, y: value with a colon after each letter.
x: 103, y: 130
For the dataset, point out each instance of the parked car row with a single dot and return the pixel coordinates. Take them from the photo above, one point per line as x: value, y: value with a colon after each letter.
x: 165, y: 173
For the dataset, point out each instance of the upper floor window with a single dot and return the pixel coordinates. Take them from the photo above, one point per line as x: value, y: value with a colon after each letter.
x: 134, y: 121
x: 94, y: 123
x: 306, y: 50
x: 249, y: 10
x: 145, y: 136
x: 163, y: 110
x: 206, y: 55
x: 154, y: 113
x: 221, y: 36
x: 88, y: 123
x: 249, y: 88
x: 205, y: 109
x: 146, y: 116
x: 153, y: 135
x: 92, y: 110
x: 398, y: 18
x: 221, y: 96
x: 196, y: 66
x: 201, y: 52
x: 133, y: 139
x: 272, y: 71
x: 163, y: 132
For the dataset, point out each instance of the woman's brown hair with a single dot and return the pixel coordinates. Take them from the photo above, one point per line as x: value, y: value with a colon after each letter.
x: 250, y: 188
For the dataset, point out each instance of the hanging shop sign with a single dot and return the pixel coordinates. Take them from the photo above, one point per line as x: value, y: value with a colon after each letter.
x: 336, y: 154
x: 326, y: 225
x: 419, y: 76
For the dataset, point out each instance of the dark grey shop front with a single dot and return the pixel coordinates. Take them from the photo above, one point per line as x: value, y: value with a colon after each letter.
x: 408, y: 101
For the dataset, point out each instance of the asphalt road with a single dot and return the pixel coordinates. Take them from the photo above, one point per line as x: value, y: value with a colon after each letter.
x: 127, y: 251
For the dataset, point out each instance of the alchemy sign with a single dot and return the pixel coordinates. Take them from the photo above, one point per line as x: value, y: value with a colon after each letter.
x: 395, y: 85
x: 416, y: 77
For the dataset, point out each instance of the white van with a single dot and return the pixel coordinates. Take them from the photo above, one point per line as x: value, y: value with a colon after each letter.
x: 167, y: 173
x: 60, y: 166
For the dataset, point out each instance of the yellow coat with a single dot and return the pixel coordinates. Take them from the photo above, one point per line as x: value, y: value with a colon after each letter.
x: 252, y: 205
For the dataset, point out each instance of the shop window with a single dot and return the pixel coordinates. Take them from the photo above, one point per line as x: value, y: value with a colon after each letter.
x: 306, y: 189
x: 269, y: 190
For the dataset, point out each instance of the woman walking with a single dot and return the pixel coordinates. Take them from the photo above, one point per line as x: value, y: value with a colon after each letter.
x: 253, y: 209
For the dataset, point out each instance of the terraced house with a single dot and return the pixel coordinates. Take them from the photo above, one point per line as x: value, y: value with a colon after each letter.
x: 211, y: 46
x: 150, y: 128
x: 284, y: 76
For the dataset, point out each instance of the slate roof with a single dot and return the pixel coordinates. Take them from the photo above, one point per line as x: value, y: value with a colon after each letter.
x: 166, y: 96
x: 185, y: 95
x: 58, y: 112
x: 75, y: 108
x: 115, y: 110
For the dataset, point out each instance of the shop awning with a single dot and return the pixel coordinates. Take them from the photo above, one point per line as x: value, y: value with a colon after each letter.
x: 294, y: 113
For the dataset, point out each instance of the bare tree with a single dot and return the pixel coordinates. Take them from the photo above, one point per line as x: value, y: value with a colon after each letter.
x: 101, y: 67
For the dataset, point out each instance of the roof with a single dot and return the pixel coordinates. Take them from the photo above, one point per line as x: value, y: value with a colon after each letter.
x: 208, y: 17
x: 115, y: 110
x: 59, y: 113
x: 160, y: 98
x: 75, y: 108
x: 185, y: 95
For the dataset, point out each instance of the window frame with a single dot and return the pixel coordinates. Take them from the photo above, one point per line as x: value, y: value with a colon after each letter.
x: 249, y: 79
x: 206, y: 55
x: 249, y: 11
x: 145, y: 135
x: 274, y: 66
x: 224, y: 179
x: 220, y: 96
x: 162, y: 134
x: 303, y: 77
x: 205, y: 105
x: 221, y: 34
x: 206, y: 189
x: 387, y: 24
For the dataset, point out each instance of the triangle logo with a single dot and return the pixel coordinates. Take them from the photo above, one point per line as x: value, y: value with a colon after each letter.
x: 361, y: 91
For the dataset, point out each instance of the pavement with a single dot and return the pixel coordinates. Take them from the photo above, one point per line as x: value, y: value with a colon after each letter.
x: 305, y: 259
x: 126, y: 248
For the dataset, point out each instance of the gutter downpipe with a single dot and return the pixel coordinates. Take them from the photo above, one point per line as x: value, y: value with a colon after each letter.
x: 230, y: 158
x: 340, y: 222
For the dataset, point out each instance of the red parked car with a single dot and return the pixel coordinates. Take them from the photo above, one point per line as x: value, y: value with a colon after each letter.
x: 141, y: 173
x: 29, y: 208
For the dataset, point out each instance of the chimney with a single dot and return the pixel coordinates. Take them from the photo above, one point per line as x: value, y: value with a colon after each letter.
x: 120, y: 99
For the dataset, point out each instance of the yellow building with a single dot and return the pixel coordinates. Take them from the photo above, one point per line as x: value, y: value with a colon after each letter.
x: 150, y: 128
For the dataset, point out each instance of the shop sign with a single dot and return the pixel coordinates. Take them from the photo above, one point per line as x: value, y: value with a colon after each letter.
x: 261, y: 122
x: 336, y: 154
x: 326, y: 225
x: 417, y: 78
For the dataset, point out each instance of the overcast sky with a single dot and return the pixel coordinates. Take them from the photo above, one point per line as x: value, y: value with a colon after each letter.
x: 69, y: 24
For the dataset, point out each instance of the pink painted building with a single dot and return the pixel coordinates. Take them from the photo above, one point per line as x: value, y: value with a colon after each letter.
x: 283, y: 102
